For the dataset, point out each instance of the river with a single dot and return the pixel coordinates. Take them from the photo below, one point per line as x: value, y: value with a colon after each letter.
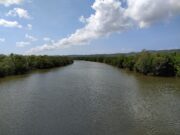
x: 88, y: 98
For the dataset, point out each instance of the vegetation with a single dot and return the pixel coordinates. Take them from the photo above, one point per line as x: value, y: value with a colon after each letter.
x: 18, y: 64
x: 148, y: 63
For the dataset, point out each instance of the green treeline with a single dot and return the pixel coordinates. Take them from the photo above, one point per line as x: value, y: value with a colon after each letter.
x: 19, y: 64
x: 148, y: 63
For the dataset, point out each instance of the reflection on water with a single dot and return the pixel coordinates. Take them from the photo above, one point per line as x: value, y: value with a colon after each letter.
x: 89, y: 98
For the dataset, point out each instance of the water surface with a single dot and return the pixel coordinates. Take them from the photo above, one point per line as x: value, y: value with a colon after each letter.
x: 88, y: 98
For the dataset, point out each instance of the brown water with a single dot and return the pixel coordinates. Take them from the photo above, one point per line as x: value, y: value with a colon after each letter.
x: 89, y: 98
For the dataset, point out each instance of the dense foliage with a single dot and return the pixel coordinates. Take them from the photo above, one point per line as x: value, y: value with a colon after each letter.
x: 157, y: 64
x: 18, y: 64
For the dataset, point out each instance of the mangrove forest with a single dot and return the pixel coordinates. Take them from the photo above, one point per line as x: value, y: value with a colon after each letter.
x: 149, y: 63
x: 19, y: 64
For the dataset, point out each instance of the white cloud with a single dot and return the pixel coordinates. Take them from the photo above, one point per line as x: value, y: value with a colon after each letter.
x: 21, y: 13
x: 82, y: 19
x: 107, y: 19
x: 10, y: 24
x: 47, y: 39
x: 29, y: 26
x: 22, y: 44
x: 111, y: 16
x: 2, y: 39
x: 10, y: 2
x: 30, y: 38
x: 147, y: 12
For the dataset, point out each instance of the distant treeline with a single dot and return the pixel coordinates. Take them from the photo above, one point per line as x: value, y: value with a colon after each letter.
x: 19, y: 64
x: 148, y: 63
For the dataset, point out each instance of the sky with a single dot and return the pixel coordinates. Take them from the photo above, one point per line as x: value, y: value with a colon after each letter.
x: 64, y: 27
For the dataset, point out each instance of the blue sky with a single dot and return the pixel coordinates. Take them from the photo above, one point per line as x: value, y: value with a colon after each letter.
x: 55, y: 25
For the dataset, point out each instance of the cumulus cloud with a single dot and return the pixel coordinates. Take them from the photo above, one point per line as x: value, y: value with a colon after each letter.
x: 29, y: 26
x: 113, y: 16
x: 107, y: 19
x: 22, y: 44
x: 30, y: 38
x: 10, y: 24
x: 10, y: 2
x: 2, y: 39
x: 47, y: 39
x: 147, y: 12
x: 82, y: 19
x: 21, y: 13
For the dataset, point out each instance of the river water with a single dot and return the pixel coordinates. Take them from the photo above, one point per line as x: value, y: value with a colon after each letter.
x: 88, y: 98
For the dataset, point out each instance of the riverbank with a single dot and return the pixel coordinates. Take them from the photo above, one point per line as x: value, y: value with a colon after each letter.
x: 148, y: 63
x: 19, y: 64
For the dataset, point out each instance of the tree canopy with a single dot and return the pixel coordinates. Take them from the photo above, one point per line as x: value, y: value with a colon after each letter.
x: 18, y: 64
x: 148, y: 63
